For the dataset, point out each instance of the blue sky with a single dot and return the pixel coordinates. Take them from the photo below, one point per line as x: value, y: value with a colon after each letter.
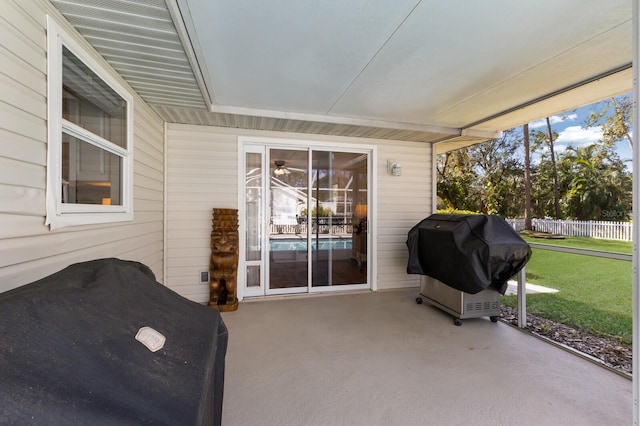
x: 571, y: 131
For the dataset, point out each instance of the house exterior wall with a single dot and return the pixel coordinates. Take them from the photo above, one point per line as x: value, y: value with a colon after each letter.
x: 28, y: 249
x: 202, y: 174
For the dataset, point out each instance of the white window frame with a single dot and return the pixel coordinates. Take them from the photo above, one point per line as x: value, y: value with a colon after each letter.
x: 60, y: 214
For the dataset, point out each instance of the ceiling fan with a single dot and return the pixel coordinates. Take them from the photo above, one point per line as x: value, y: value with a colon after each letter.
x: 280, y: 168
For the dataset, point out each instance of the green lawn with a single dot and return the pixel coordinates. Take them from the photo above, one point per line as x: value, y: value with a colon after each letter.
x: 594, y: 293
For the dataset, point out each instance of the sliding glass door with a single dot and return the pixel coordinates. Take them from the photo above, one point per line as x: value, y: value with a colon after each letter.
x: 306, y: 220
x: 288, y: 239
x: 339, y: 217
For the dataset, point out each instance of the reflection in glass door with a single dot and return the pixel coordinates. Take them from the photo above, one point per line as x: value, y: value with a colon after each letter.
x: 288, y: 239
x: 339, y: 218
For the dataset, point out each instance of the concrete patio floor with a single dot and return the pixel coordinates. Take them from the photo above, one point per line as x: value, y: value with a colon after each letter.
x: 378, y: 358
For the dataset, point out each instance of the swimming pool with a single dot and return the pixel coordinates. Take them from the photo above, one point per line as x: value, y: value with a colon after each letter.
x: 301, y: 245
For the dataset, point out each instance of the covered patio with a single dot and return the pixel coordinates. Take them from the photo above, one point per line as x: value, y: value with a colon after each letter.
x: 434, y: 74
x: 381, y: 359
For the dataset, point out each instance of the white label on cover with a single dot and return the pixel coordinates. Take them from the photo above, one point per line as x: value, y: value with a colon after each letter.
x: 151, y: 338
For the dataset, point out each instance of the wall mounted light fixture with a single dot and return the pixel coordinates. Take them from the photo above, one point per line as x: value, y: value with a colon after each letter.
x: 393, y: 168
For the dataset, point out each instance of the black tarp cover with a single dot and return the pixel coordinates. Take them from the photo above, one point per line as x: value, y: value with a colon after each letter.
x: 466, y: 252
x: 68, y: 355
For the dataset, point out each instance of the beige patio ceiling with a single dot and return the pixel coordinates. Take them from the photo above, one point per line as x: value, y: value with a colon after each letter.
x: 455, y: 72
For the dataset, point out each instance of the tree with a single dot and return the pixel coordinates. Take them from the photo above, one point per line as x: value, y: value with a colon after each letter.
x: 545, y: 178
x: 554, y: 171
x: 615, y: 120
x: 486, y: 178
x: 500, y: 175
x: 600, y: 187
x: 456, y: 176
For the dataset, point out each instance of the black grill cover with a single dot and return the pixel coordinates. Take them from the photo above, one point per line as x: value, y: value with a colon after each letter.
x: 68, y: 354
x: 466, y: 252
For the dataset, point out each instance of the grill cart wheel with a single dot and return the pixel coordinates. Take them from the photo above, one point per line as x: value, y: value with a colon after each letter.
x: 419, y: 300
x: 493, y: 318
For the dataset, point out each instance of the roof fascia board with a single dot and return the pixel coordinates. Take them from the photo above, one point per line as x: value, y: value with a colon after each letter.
x: 179, y: 11
x: 556, y: 93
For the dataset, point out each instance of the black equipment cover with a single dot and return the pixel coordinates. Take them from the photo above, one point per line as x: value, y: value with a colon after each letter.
x: 467, y: 252
x: 68, y: 353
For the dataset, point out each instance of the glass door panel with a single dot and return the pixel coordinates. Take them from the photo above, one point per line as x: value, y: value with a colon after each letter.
x: 338, y: 218
x: 288, y: 237
x: 254, y: 223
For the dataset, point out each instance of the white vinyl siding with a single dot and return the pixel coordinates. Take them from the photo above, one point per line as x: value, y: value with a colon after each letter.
x: 202, y: 173
x: 28, y: 250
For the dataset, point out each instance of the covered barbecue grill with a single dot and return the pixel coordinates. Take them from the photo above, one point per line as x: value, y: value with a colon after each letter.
x: 466, y: 261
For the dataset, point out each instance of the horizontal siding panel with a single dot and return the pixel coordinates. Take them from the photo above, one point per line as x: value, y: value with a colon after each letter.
x: 191, y: 224
x: 14, y: 225
x: 21, y: 250
x: 15, y: 69
x: 148, y: 183
x: 392, y: 204
x: 22, y: 97
x: 202, y: 161
x: 148, y: 217
x: 200, y: 252
x: 199, y: 242
x: 31, y: 51
x: 187, y: 271
x: 214, y: 198
x: 144, y: 250
x: 199, y: 263
x: 415, y: 181
x: 18, y: 173
x: 147, y: 194
x: 186, y: 286
x: 21, y: 148
x: 392, y: 283
x: 22, y: 19
x: 204, y: 188
x: 184, y: 174
x: 147, y: 206
x: 146, y: 141
x: 18, y: 274
x: 202, y: 149
x: 177, y: 236
x: 142, y: 169
x: 22, y: 123
x: 190, y: 215
x: 205, y: 205
x: 22, y: 200
x: 142, y: 158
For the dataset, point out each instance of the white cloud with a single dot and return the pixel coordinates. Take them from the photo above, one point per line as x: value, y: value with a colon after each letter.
x: 553, y: 120
x: 576, y: 135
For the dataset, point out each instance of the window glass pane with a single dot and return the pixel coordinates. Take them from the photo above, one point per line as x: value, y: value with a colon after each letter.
x: 254, y: 206
x: 90, y: 175
x: 90, y: 103
x: 253, y: 276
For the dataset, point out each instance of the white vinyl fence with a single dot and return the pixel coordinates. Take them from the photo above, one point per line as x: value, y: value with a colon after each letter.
x: 605, y: 230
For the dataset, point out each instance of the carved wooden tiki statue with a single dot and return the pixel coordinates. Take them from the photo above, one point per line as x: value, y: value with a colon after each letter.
x: 223, y: 266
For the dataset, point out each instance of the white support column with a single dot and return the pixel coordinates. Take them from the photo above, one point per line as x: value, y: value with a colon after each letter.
x: 636, y: 212
x: 522, y: 298
x: 434, y: 179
